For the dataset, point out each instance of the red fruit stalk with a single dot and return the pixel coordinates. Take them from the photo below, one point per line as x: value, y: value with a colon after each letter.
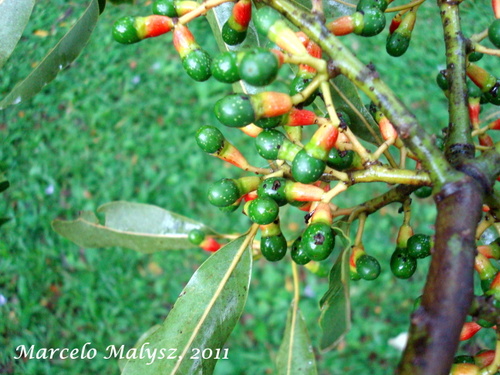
x: 232, y: 155
x: 299, y: 117
x: 485, y: 358
x: 271, y: 104
x: 210, y: 244
x: 356, y: 252
x: 251, y: 130
x: 495, y: 4
x: 322, y: 214
x: 491, y: 251
x: 396, y: 21
x: 474, y: 110
x: 484, y: 268
x: 495, y: 287
x: 481, y: 78
x: 241, y: 15
x: 342, y: 26
x: 322, y: 140
x: 296, y: 191
x: 468, y: 330
x: 184, y: 41
x: 495, y: 125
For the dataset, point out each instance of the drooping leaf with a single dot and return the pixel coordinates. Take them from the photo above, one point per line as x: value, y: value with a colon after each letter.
x: 296, y: 356
x: 140, y: 227
x: 366, y: 130
x: 335, y: 318
x: 14, y: 15
x: 59, y: 57
x: 203, y: 316
x: 216, y: 19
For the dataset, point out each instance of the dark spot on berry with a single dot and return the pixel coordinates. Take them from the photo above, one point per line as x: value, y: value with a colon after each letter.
x: 244, y: 97
x: 494, y: 89
x: 400, y: 210
x: 319, y: 239
x: 342, y: 153
x: 307, y: 217
x: 276, y: 185
x: 264, y: 186
x: 278, y: 147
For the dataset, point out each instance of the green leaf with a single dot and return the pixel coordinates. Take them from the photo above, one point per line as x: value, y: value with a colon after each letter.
x: 14, y: 15
x: 59, y: 57
x: 203, y: 316
x: 335, y: 318
x: 4, y: 185
x: 343, y: 88
x: 4, y: 220
x: 122, y: 361
x: 140, y: 227
x: 295, y: 356
x: 216, y: 19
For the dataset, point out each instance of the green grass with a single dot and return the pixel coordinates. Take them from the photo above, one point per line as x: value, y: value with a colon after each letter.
x: 119, y: 125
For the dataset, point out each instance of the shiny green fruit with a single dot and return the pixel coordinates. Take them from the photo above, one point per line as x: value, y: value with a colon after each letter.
x: 273, y: 248
x: 264, y: 18
x: 318, y: 241
x: 263, y: 210
x: 209, y: 139
x: 419, y: 246
x: 197, y: 65
x: 397, y: 44
x: 268, y: 143
x: 374, y: 21
x: 225, y: 67
x: 367, y: 267
x: 196, y: 236
x: 223, y: 193
x: 442, y: 80
x: 231, y: 36
x: 269, y: 122
x: 124, y: 31
x: 273, y: 188
x: 494, y: 33
x: 164, y: 8
x: 340, y: 160
x: 403, y: 266
x: 234, y: 111
x: 298, y: 253
x: 298, y: 84
x: 259, y: 67
x: 306, y: 169
x: 475, y: 56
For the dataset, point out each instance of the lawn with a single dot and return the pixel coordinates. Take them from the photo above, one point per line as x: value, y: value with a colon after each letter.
x: 119, y: 124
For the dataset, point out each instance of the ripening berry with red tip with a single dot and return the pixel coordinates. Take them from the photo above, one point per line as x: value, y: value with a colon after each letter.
x: 468, y: 330
x: 398, y: 40
x: 346, y: 24
x: 495, y: 287
x: 486, y: 270
x: 484, y: 358
x: 396, y: 21
x: 322, y: 141
x: 491, y: 251
x: 481, y: 78
x: 494, y: 125
x: 495, y: 4
x: 234, y: 31
x: 196, y: 61
x: 210, y: 244
x: 474, y: 106
x: 356, y: 252
x: 173, y: 8
x: 269, y: 23
x: 299, y: 117
x: 128, y: 30
x: 198, y: 237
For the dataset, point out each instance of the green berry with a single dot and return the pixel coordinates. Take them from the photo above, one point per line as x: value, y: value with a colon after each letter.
x: 234, y: 111
x: 124, y: 30
x: 403, y: 266
x: 463, y: 359
x: 269, y: 122
x: 197, y: 65
x: 340, y: 160
x: 264, y: 18
x: 268, y: 143
x: 475, y: 56
x: 354, y: 276
x: 493, y: 96
x: 397, y: 44
x: 225, y: 67
x: 318, y: 241
x: 164, y: 8
x: 423, y: 192
x: 231, y: 208
x: 273, y: 188
x: 442, y: 80
x: 367, y: 267
x: 307, y: 169
x: 263, y: 210
x: 231, y: 36
x: 494, y: 33
x: 209, y: 139
x: 298, y: 84
x: 298, y: 253
x: 196, y: 236
x: 273, y: 248
x: 419, y: 246
x: 259, y: 67
x: 374, y: 21
x: 223, y: 193
x: 366, y: 4
x: 485, y: 324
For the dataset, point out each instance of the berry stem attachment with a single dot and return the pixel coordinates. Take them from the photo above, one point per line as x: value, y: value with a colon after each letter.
x: 487, y: 51
x: 495, y: 365
x: 361, y: 227
x: 339, y: 188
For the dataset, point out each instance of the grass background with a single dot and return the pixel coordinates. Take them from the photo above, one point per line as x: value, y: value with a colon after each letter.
x: 119, y: 125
